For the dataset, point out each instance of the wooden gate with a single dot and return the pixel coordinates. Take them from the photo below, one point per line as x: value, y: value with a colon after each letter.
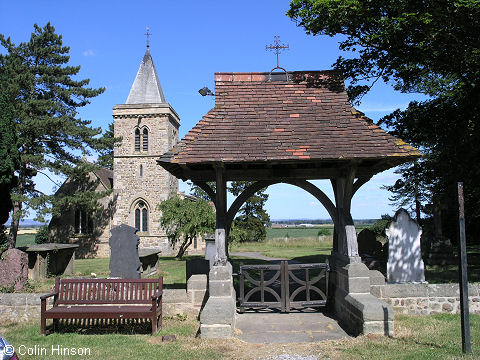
x: 283, y: 286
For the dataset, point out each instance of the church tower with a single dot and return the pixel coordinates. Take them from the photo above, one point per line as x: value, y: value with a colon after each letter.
x: 148, y: 126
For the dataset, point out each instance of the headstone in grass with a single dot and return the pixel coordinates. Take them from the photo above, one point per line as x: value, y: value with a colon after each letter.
x: 405, y: 262
x: 124, y: 260
x: 368, y: 244
x: 13, y: 270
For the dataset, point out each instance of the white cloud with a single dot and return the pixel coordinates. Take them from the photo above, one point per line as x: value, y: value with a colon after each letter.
x: 88, y: 52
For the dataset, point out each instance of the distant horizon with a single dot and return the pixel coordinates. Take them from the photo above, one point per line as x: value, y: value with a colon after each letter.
x: 32, y: 222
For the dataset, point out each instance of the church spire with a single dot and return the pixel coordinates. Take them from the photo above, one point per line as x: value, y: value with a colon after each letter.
x: 146, y: 88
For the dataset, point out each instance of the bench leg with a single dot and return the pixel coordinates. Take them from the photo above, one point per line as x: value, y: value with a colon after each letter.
x: 154, y: 325
x: 43, y: 324
x: 55, y: 324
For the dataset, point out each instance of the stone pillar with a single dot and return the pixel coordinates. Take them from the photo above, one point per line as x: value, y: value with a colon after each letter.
x: 217, y: 319
x: 221, y: 213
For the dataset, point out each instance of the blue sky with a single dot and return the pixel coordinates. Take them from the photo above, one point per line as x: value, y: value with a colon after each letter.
x: 191, y: 40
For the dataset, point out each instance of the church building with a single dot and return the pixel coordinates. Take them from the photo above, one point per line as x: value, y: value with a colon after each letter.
x: 148, y: 127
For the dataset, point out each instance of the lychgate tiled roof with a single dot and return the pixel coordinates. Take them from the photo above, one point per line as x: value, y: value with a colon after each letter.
x: 308, y: 118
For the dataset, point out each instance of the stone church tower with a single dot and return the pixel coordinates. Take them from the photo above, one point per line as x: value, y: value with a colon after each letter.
x: 148, y: 126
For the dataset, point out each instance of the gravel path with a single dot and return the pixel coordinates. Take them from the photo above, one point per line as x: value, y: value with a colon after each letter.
x: 290, y: 357
x: 255, y: 255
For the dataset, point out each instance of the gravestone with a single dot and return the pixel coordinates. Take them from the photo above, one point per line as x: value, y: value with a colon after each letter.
x: 210, y: 249
x: 405, y: 262
x: 368, y: 244
x: 14, y: 269
x: 440, y: 250
x: 124, y: 259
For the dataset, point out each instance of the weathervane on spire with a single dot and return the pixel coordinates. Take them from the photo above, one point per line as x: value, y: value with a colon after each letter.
x: 148, y: 33
x: 278, y: 48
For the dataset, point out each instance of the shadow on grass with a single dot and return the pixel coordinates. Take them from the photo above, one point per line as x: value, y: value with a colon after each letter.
x: 102, y: 326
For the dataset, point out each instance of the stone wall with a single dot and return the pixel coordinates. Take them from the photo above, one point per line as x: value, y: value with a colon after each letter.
x: 425, y: 299
x: 22, y: 307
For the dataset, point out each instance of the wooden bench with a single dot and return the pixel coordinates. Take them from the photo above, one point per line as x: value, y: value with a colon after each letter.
x: 104, y: 299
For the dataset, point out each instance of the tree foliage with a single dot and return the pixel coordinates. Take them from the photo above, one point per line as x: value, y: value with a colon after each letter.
x: 9, y: 156
x: 42, y: 235
x: 184, y: 219
x: 249, y: 225
x: 430, y: 47
x: 105, y: 159
x: 51, y: 136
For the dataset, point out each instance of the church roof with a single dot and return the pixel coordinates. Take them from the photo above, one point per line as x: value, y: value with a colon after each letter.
x: 105, y: 176
x: 146, y: 88
x: 308, y: 119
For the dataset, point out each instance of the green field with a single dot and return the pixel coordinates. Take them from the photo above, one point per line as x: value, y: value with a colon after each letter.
x: 25, y: 239
x: 304, y: 232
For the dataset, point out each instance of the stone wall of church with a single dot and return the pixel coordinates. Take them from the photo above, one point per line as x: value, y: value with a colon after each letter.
x: 137, y: 176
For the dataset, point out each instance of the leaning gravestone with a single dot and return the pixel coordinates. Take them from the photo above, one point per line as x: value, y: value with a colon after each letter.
x: 124, y: 260
x: 14, y: 269
x: 405, y: 262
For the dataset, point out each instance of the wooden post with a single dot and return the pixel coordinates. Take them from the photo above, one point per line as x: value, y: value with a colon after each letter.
x: 463, y: 280
x: 346, y: 235
x: 221, y: 213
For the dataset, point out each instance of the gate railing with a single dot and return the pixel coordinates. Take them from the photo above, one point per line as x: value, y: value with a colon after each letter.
x: 282, y: 286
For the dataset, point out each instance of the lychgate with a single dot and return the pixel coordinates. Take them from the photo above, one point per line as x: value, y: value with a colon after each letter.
x: 289, y: 128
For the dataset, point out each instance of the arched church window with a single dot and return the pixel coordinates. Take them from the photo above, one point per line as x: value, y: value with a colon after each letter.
x: 141, y: 217
x: 144, y: 219
x: 137, y: 140
x: 145, y: 139
x: 141, y: 170
x: 83, y: 222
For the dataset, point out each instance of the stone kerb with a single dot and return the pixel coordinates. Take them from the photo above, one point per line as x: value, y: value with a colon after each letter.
x: 217, y: 319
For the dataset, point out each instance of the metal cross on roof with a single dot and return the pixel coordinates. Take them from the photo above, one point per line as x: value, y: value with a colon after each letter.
x: 148, y: 33
x: 278, y: 48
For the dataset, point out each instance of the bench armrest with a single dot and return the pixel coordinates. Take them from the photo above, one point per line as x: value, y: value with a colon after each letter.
x: 44, y: 297
x: 158, y: 294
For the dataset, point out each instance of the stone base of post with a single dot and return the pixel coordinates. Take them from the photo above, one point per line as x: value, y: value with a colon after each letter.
x: 217, y: 319
x: 358, y: 311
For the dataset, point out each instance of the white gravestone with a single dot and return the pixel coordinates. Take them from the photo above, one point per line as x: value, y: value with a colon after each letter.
x: 405, y: 262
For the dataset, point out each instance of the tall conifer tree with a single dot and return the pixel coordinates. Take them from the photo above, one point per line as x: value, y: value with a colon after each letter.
x: 52, y: 137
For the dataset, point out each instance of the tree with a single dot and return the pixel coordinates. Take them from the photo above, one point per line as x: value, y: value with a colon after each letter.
x: 252, y: 218
x: 250, y: 224
x: 198, y: 192
x: 429, y: 47
x: 184, y: 220
x: 105, y: 159
x: 51, y: 136
x: 9, y: 156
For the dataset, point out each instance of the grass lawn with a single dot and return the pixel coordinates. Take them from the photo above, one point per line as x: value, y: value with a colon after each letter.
x: 292, y: 249
x: 417, y: 337
x: 25, y: 239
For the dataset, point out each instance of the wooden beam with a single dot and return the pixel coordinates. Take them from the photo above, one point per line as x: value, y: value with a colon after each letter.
x: 221, y: 206
x: 244, y: 196
x: 359, y: 183
x: 205, y: 187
